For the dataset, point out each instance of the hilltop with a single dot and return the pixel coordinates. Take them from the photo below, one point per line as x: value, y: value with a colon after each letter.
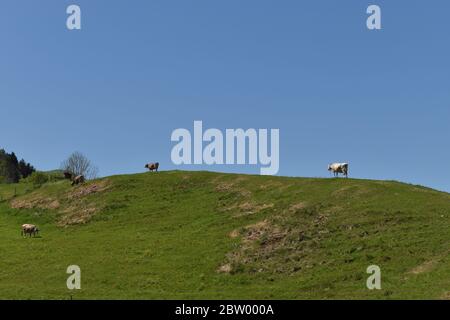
x: 203, y: 235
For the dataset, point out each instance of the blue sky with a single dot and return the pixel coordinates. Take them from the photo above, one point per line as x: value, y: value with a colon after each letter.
x: 137, y: 70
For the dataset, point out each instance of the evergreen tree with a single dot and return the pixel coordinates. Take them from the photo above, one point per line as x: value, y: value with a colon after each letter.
x: 12, y: 170
x: 25, y: 169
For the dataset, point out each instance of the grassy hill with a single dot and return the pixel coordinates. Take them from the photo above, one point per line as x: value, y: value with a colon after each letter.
x: 202, y: 235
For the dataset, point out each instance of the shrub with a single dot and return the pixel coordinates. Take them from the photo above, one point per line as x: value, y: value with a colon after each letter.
x: 38, y: 178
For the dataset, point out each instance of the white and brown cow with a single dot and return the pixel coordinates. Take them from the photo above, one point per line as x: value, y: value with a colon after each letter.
x: 152, y: 166
x: 78, y: 179
x: 29, y: 229
x: 337, y: 168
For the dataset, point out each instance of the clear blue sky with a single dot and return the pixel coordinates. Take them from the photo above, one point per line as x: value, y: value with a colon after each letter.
x: 137, y: 70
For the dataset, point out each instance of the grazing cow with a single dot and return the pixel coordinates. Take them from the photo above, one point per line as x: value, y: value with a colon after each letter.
x: 337, y: 168
x: 67, y: 175
x: 78, y: 179
x: 152, y: 166
x: 30, y: 229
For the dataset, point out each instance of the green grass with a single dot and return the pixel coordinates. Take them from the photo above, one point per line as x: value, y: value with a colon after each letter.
x: 165, y: 236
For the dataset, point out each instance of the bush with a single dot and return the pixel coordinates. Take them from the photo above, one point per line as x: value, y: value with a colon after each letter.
x: 38, y: 178
x: 55, y: 175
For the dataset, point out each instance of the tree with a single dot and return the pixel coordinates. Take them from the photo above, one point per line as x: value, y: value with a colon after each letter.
x: 12, y: 170
x: 25, y: 169
x: 78, y: 164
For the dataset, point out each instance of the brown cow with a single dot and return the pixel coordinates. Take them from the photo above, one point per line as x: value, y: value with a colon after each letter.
x: 152, y: 166
x: 68, y: 175
x: 30, y: 229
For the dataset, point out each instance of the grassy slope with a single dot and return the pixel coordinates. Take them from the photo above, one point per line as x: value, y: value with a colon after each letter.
x: 165, y: 235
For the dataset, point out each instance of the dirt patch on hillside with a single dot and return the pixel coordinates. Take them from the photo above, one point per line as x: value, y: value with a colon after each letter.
x: 225, y: 187
x: 88, y: 189
x: 234, y: 234
x: 284, y: 243
x: 35, y: 202
x: 333, y: 209
x: 238, y: 200
x: 252, y: 232
x: 298, y: 206
x: 445, y: 296
x: 256, y: 231
x: 429, y: 265
x: 73, y: 216
x: 226, y: 268
x: 248, y: 208
x: 72, y: 207
x: 424, y: 267
x: 232, y: 188
x: 258, y: 241
x: 78, y: 210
